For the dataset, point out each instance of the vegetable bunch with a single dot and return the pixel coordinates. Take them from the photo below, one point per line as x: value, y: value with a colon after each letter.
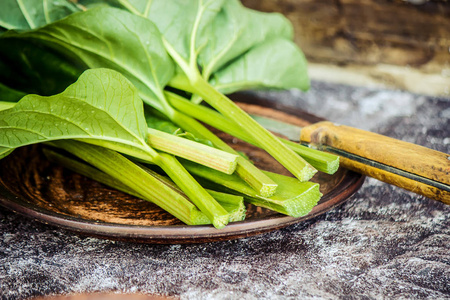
x: 115, y: 90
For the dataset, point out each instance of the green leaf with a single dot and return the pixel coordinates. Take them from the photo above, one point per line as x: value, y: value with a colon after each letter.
x: 237, y: 48
x: 31, y: 14
x: 235, y: 30
x: 182, y: 24
x: 210, y: 34
x: 106, y: 37
x: 277, y: 63
x: 102, y: 108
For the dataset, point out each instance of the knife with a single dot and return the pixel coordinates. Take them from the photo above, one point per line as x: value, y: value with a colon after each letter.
x: 406, y: 165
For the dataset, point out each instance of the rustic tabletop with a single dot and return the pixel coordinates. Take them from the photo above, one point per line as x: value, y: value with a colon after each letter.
x: 382, y: 243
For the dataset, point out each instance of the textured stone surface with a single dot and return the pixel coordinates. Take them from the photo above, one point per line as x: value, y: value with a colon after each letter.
x: 382, y: 243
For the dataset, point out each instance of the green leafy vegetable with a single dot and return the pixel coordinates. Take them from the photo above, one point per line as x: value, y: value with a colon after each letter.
x: 101, y: 108
x: 201, y: 48
x: 141, y: 57
x: 209, y: 35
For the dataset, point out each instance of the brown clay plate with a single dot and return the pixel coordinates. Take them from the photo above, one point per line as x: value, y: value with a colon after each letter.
x: 36, y: 188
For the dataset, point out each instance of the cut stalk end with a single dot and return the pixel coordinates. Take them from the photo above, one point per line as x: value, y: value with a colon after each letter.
x: 220, y: 222
x: 322, y: 161
x: 255, y: 178
x: 306, y: 173
x: 233, y: 204
x: 202, y: 154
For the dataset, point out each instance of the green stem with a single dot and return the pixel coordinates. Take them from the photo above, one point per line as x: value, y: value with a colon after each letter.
x: 245, y: 169
x: 322, y: 161
x: 143, y: 152
x: 134, y: 177
x: 293, y: 198
x: 193, y: 151
x: 181, y: 82
x: 196, y: 193
x: 234, y: 205
x: 266, y: 140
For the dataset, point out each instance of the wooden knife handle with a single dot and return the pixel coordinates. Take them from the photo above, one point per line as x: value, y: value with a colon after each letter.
x: 409, y: 166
